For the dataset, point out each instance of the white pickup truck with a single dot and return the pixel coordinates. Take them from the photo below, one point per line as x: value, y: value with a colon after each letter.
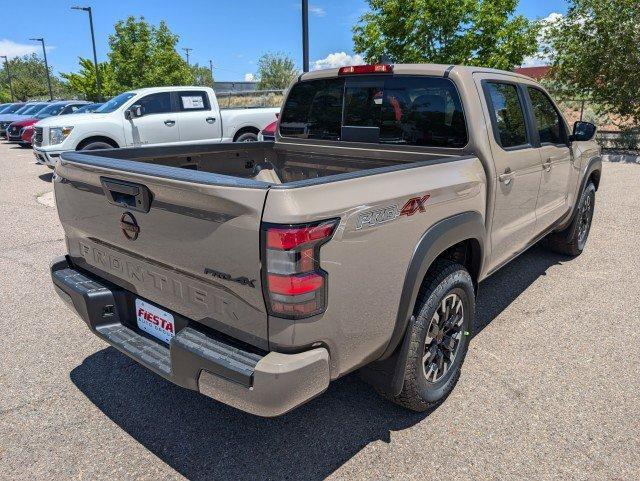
x: 150, y: 116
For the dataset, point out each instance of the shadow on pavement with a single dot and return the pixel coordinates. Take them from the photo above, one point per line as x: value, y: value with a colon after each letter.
x: 203, y: 439
x: 46, y: 177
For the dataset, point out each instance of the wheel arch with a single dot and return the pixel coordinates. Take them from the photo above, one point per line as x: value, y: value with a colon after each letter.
x: 246, y: 129
x: 460, y: 238
x: 97, y: 138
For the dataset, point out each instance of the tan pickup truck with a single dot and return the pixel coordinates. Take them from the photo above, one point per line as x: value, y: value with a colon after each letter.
x: 257, y: 273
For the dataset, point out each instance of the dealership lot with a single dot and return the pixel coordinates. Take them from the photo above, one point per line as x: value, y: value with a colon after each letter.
x: 550, y: 387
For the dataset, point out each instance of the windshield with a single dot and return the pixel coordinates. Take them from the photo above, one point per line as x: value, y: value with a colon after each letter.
x: 31, y: 109
x: 4, y: 107
x: 88, y: 108
x: 13, y: 108
x: 21, y: 109
x: 115, y: 103
x: 50, y: 110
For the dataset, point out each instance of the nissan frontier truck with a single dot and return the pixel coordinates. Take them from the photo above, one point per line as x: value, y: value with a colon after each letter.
x: 258, y: 273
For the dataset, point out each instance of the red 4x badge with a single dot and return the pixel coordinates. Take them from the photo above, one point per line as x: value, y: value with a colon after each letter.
x: 413, y: 205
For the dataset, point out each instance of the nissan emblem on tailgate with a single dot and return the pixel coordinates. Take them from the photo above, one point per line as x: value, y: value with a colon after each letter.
x: 129, y: 226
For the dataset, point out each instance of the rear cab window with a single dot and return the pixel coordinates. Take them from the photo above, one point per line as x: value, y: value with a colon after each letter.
x: 396, y: 110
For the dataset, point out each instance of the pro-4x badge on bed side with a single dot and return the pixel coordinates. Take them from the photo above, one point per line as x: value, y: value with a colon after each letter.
x: 374, y: 217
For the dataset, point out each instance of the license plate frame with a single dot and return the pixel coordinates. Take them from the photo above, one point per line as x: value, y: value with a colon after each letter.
x: 155, y: 321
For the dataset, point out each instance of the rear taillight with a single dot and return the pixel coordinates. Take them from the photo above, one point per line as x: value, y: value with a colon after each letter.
x: 364, y: 69
x: 295, y: 285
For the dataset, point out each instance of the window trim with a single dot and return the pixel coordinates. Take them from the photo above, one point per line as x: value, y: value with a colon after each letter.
x: 534, y: 122
x: 530, y: 144
x: 386, y: 147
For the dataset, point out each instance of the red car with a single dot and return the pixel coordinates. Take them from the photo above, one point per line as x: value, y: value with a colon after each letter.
x: 21, y: 131
x: 269, y: 132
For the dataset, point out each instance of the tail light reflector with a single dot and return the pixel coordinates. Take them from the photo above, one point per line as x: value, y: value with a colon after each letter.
x: 295, y: 285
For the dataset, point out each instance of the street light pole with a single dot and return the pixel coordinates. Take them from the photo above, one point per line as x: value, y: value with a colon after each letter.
x: 211, y: 69
x: 6, y: 66
x: 186, y: 51
x: 93, y: 41
x: 46, y: 64
x: 305, y: 35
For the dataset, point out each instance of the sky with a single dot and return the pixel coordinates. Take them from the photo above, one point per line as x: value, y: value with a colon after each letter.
x: 231, y: 33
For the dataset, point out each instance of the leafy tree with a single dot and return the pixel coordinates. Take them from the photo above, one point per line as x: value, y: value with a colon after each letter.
x: 84, y: 81
x: 472, y: 32
x: 29, y: 79
x: 595, y: 53
x: 201, y: 75
x: 144, y: 55
x: 276, y: 70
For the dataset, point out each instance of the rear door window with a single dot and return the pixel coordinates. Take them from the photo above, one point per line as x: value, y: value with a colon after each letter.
x: 400, y: 110
x: 190, y: 101
x: 507, y: 114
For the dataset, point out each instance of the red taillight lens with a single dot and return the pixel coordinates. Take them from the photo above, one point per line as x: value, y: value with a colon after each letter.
x: 364, y: 69
x: 295, y: 285
x: 289, y: 237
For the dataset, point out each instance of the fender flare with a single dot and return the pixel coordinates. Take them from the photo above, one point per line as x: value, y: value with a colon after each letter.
x: 387, y: 373
x: 594, y: 165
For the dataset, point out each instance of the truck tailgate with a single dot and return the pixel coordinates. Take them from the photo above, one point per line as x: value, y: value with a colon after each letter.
x: 188, y: 241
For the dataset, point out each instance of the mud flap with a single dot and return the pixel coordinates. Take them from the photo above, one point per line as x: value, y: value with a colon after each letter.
x: 387, y: 375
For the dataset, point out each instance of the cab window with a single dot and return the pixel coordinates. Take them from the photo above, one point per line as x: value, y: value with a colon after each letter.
x: 548, y: 121
x: 158, y: 103
x: 507, y: 114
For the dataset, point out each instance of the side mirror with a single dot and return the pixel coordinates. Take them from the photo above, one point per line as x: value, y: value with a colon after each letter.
x: 133, y: 112
x: 583, y: 131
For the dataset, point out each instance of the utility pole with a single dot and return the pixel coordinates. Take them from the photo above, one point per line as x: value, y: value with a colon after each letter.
x: 6, y: 66
x: 305, y: 35
x: 211, y: 70
x: 186, y: 51
x: 46, y: 64
x: 95, y: 56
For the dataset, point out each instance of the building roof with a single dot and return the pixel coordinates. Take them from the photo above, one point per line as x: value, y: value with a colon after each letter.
x: 536, y: 73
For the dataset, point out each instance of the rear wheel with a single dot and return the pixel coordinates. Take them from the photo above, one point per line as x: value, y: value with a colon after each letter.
x: 573, y: 239
x: 247, y: 137
x: 439, y: 334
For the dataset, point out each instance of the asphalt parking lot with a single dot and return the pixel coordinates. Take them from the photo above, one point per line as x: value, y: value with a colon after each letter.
x: 550, y: 388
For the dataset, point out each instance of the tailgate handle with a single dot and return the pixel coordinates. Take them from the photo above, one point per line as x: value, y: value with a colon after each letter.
x: 126, y: 194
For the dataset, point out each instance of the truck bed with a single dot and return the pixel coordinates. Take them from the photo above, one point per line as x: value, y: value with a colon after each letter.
x: 291, y: 163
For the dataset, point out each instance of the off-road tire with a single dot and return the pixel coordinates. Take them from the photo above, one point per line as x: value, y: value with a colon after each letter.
x: 444, y: 278
x: 572, y: 240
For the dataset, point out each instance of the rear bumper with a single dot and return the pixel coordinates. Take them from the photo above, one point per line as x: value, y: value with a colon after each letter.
x: 265, y: 384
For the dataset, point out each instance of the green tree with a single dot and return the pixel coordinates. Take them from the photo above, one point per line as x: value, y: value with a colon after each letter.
x: 595, y: 53
x: 201, y: 75
x: 472, y: 32
x: 29, y: 79
x: 276, y: 70
x: 144, y: 55
x: 84, y: 81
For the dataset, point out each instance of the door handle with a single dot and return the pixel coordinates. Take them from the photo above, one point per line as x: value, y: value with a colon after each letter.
x: 547, y: 165
x: 507, y: 177
x: 169, y: 123
x: 210, y: 120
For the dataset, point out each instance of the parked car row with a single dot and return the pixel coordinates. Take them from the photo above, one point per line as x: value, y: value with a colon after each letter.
x: 17, y: 119
x: 143, y: 117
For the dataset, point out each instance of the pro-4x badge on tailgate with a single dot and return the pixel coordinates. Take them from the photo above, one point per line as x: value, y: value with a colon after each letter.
x: 374, y: 217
